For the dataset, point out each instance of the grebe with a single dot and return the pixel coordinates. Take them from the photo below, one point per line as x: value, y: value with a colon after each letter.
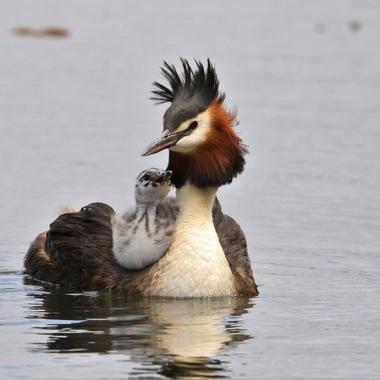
x: 208, y: 253
x: 143, y: 234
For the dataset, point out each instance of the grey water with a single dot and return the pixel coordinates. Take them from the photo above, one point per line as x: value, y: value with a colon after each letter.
x: 75, y: 115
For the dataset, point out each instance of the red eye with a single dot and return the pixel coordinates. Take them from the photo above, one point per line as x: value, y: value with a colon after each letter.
x: 193, y: 125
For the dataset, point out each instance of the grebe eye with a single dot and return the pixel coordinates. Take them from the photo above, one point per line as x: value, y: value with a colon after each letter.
x: 193, y: 125
x: 146, y: 177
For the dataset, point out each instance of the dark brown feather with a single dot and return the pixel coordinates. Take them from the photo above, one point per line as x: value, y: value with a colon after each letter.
x: 76, y: 252
x: 234, y: 244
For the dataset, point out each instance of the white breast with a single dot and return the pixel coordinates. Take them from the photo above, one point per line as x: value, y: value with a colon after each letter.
x: 195, y: 264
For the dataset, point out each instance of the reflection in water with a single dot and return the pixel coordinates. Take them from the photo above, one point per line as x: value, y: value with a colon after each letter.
x: 178, y: 337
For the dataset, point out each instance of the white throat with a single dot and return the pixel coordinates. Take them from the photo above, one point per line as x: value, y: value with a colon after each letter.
x: 195, y: 264
x: 196, y: 203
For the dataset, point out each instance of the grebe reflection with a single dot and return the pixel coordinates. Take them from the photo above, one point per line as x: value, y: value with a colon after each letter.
x: 180, y: 336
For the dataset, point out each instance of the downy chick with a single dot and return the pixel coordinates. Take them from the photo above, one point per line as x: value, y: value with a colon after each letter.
x: 143, y: 234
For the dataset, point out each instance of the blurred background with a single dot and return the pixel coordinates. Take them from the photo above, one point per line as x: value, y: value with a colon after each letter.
x: 75, y: 114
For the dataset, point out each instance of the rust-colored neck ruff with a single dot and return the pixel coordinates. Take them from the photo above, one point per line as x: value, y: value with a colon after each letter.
x: 217, y: 161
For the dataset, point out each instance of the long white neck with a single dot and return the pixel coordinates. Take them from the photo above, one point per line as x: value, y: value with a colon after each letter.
x: 195, y: 203
x: 195, y: 264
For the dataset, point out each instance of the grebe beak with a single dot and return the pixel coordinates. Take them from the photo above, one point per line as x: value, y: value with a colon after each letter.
x: 167, y: 140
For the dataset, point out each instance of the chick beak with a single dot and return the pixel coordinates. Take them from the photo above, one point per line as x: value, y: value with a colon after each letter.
x: 167, y: 140
x: 164, y: 177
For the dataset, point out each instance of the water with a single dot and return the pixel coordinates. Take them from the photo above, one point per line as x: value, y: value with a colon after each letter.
x: 74, y: 119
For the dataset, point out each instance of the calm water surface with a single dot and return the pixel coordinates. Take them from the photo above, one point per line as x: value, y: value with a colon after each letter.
x: 74, y: 117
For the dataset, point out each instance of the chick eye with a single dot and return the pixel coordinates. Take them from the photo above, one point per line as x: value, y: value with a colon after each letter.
x: 193, y: 125
x: 146, y: 177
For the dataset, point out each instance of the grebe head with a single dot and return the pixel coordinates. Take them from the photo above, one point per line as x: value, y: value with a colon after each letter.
x: 198, y: 131
x: 152, y: 186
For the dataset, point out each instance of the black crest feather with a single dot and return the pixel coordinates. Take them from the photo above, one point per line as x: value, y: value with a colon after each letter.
x: 201, y: 83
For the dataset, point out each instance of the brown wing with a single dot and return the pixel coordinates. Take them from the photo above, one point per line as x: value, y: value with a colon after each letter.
x: 234, y: 244
x: 77, y: 250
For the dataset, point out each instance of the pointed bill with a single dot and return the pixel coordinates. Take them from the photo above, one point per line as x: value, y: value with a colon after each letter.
x: 167, y: 140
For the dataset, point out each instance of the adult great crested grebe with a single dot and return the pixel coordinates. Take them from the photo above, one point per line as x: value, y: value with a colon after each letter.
x: 208, y: 254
